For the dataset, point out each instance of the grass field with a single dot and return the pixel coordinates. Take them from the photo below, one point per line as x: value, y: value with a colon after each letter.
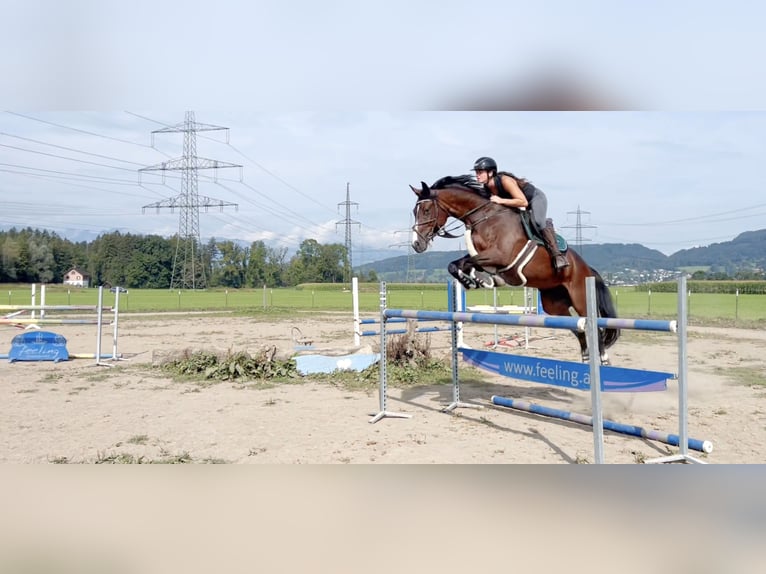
x: 744, y: 310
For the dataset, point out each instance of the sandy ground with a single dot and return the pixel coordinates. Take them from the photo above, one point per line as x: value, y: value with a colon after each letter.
x: 78, y: 412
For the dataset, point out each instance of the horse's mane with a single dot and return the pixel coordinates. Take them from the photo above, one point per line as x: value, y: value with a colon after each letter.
x: 466, y: 181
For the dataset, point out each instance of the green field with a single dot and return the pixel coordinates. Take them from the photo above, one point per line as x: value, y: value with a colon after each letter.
x: 704, y: 308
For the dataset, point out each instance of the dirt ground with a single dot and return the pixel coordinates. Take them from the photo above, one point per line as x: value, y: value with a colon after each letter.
x: 78, y: 412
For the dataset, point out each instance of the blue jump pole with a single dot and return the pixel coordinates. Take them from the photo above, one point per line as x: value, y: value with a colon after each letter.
x: 671, y: 439
x: 573, y: 323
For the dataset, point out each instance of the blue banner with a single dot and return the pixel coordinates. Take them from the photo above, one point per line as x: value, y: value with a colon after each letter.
x: 566, y: 374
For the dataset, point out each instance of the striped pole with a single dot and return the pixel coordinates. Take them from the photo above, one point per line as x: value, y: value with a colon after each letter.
x: 13, y: 321
x: 51, y: 308
x: 671, y: 439
x: 572, y: 323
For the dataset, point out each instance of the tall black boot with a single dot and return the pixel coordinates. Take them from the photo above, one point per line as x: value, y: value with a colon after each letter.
x: 549, y: 235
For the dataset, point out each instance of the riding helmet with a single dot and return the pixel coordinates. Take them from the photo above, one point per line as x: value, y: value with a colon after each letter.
x: 485, y: 163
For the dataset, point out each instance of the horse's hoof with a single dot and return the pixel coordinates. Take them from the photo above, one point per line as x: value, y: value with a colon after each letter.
x: 484, y: 280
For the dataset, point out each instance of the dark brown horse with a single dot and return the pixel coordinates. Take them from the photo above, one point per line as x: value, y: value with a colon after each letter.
x: 501, y: 253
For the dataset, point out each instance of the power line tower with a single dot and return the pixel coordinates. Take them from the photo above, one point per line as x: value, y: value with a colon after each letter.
x: 410, y: 251
x: 348, y: 222
x: 579, y: 226
x: 188, y: 265
x: 408, y: 245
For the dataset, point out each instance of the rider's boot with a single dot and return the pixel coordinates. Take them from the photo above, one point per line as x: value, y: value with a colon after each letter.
x: 549, y: 235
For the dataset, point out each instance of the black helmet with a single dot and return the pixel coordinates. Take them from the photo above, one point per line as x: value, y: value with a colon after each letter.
x: 485, y: 163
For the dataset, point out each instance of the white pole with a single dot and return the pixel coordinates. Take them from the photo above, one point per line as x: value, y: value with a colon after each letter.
x: 494, y: 303
x: 460, y: 308
x: 355, y: 303
x: 42, y: 300
x: 100, y: 323
x: 683, y: 317
x: 597, y: 415
x: 34, y: 298
x: 116, y: 313
x: 527, y: 311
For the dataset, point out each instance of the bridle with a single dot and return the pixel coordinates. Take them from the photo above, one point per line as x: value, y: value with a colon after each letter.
x: 441, y: 231
x: 433, y: 230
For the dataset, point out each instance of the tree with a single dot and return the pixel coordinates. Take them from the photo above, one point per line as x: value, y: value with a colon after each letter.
x: 41, y: 262
x: 229, y: 269
x: 9, y: 256
x: 304, y: 265
x: 275, y: 266
x: 150, y: 264
x: 256, y: 264
x: 332, y: 263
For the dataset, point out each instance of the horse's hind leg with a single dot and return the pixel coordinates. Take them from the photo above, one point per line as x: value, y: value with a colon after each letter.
x: 583, y: 339
x: 578, y: 307
x: 557, y: 301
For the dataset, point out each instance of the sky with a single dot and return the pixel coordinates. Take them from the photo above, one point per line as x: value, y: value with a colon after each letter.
x: 380, y: 96
x: 667, y: 180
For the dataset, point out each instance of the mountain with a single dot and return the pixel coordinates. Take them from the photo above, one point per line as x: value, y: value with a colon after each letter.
x: 746, y: 252
x: 614, y: 257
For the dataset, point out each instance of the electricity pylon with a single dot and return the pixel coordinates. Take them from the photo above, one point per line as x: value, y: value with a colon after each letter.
x: 188, y: 265
x: 410, y: 252
x: 579, y: 226
x: 348, y: 222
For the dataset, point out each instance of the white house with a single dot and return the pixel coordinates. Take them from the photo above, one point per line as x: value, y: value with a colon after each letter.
x: 76, y: 278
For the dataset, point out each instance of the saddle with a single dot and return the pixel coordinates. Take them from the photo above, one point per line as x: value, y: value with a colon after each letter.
x: 532, y: 230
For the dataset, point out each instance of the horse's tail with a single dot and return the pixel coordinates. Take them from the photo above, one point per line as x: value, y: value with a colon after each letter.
x: 605, y: 309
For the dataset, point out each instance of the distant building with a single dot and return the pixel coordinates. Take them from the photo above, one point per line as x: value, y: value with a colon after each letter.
x: 76, y: 278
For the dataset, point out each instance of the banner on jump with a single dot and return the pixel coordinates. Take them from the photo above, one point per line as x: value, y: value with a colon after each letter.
x: 566, y: 374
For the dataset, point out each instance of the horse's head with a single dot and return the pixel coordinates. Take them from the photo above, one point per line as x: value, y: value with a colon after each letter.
x: 430, y: 217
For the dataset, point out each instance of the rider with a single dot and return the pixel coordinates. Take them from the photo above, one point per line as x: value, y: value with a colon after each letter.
x: 509, y: 190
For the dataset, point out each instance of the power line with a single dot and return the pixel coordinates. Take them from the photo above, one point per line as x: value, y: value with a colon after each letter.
x: 251, y: 160
x: 275, y: 176
x: 279, y: 210
x: 66, y: 158
x: 68, y: 148
x: 76, y: 129
x: 690, y: 219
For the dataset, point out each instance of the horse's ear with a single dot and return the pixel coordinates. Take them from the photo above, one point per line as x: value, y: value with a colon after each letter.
x: 426, y: 191
x: 415, y: 191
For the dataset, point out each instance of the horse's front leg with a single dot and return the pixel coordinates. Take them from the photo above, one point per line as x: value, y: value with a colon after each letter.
x: 462, y: 270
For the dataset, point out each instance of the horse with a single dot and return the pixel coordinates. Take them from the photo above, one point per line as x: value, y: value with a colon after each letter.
x: 502, y: 252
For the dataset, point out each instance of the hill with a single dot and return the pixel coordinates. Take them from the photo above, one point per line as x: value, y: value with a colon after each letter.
x: 747, y: 251
x: 618, y: 262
